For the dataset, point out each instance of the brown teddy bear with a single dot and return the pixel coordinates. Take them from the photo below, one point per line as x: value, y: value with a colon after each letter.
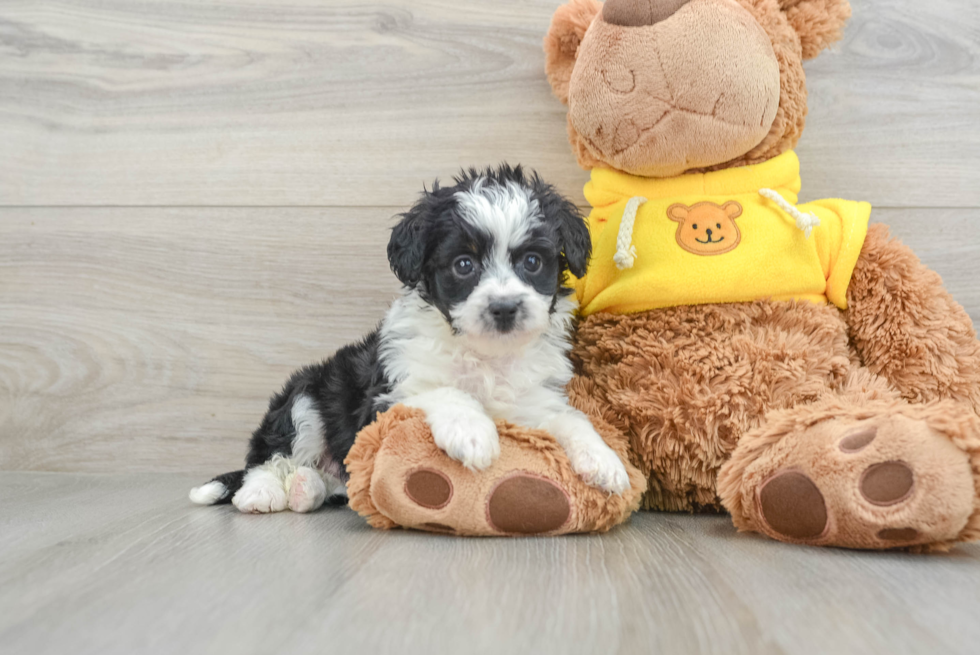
x: 793, y: 366
x: 785, y: 363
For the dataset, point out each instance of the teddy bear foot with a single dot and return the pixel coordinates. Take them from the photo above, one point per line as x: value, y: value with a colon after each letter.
x: 520, y: 503
x: 886, y: 481
x: 399, y: 478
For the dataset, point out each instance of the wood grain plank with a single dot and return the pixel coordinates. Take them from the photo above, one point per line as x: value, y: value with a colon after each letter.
x: 151, y: 339
x: 895, y: 108
x: 124, y: 564
x: 123, y: 335
x: 255, y: 102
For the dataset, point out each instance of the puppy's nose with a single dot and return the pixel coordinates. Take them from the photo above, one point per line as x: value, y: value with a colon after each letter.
x: 709, y: 232
x: 504, y: 313
x: 636, y: 13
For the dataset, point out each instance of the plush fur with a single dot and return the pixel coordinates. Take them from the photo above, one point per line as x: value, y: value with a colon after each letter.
x: 924, y: 344
x: 480, y: 333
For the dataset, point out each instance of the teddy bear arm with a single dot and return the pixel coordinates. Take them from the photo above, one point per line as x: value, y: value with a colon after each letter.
x: 907, y: 328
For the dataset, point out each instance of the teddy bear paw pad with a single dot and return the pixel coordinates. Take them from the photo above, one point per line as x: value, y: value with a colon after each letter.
x: 858, y: 440
x: 429, y: 488
x: 887, y: 483
x: 527, y: 504
x: 792, y: 505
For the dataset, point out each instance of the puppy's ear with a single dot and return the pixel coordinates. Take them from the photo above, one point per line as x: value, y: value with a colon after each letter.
x: 406, y: 248
x: 568, y: 26
x: 573, y: 233
x: 576, y: 241
x: 818, y: 22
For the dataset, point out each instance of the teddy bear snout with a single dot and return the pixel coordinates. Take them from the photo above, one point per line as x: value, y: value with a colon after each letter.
x: 616, y: 139
x: 639, y: 13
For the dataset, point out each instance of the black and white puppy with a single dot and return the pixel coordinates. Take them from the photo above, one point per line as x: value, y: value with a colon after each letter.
x: 481, y: 332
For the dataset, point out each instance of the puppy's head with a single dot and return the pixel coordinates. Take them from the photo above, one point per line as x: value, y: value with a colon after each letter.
x: 491, y: 252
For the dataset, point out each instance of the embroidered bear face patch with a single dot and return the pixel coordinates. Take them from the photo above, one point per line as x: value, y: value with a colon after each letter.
x: 706, y: 228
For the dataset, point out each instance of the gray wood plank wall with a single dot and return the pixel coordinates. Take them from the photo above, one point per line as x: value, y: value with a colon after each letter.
x: 194, y: 197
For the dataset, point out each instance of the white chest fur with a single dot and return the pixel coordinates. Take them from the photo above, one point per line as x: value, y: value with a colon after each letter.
x: 420, y: 353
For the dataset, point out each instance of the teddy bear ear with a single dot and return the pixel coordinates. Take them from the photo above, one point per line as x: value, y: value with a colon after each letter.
x: 568, y: 26
x: 818, y: 22
x: 732, y: 209
x: 678, y: 212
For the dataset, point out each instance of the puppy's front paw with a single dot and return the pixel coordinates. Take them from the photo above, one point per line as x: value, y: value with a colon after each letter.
x: 468, y: 437
x: 600, y: 467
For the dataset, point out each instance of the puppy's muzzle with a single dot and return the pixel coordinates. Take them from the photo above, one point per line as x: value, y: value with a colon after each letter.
x: 504, y: 313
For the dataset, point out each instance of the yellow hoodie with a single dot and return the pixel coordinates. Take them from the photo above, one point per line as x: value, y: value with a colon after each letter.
x: 716, y: 237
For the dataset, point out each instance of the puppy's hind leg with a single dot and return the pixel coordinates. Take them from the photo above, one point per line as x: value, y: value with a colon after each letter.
x: 289, y: 464
x: 264, y: 487
x: 280, y: 484
x: 307, y: 490
x: 310, y: 483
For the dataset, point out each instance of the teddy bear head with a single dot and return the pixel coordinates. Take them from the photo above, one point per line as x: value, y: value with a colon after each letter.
x: 662, y: 87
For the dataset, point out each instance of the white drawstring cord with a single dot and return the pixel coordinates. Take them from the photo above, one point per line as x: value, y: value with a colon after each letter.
x: 804, y: 221
x: 625, y: 250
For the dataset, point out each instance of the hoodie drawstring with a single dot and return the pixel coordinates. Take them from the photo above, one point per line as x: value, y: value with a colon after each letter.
x: 804, y: 221
x: 625, y: 250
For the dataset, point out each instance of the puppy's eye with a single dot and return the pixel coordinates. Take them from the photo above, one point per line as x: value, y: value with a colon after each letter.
x: 532, y: 263
x: 695, y: 226
x: 463, y: 266
x: 718, y: 226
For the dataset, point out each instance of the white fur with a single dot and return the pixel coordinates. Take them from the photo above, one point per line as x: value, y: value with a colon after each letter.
x: 589, y: 455
x: 208, y: 494
x: 307, y: 490
x: 283, y: 483
x: 473, y: 319
x: 263, y: 489
x: 421, y: 354
x: 309, y: 446
x: 507, y: 212
x: 310, y: 440
x: 460, y: 426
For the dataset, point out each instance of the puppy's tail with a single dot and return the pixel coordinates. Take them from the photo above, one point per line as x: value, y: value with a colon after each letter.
x: 219, y: 490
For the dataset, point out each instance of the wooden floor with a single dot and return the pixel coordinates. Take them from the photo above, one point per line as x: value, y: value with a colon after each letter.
x: 194, y: 200
x: 107, y: 564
